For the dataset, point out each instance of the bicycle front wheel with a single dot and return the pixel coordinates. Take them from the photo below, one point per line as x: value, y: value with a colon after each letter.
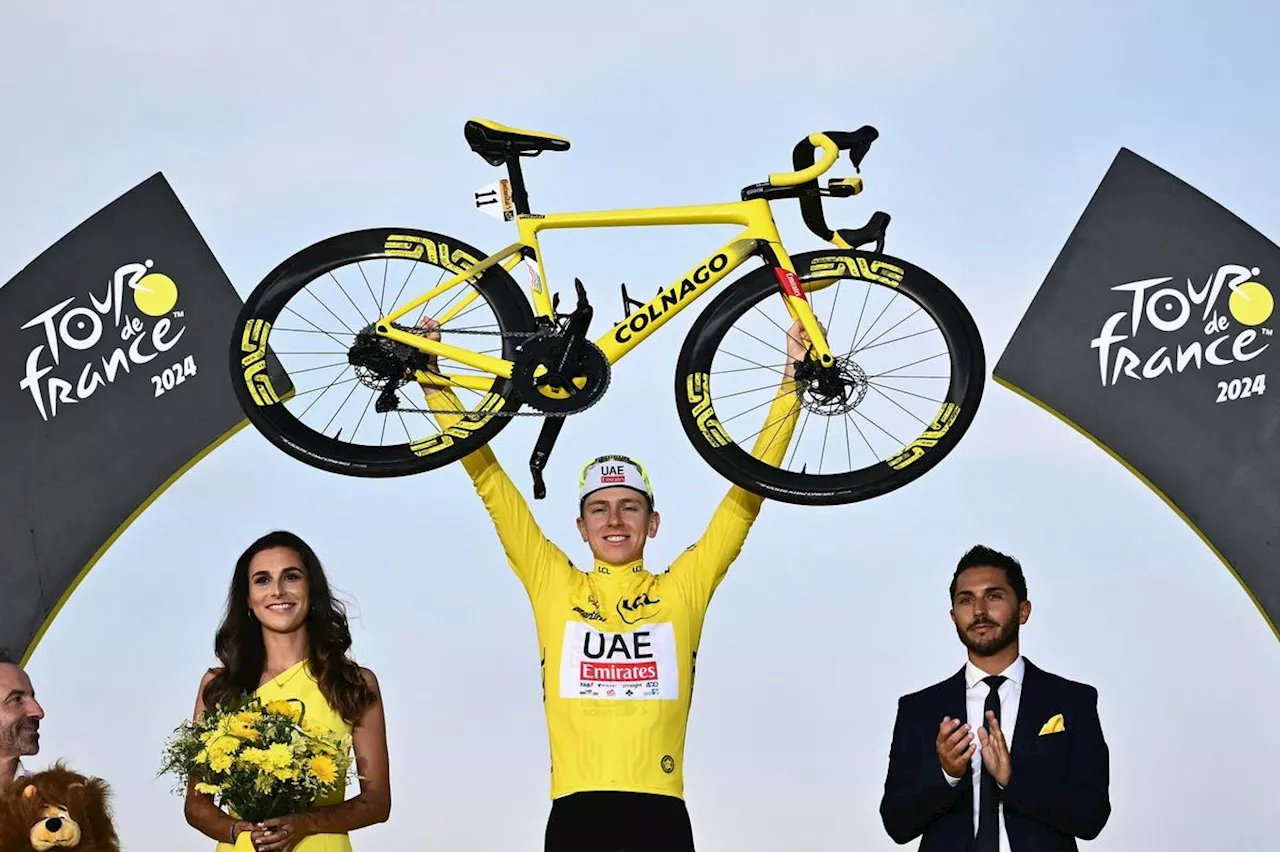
x: 355, y: 407
x: 908, y: 379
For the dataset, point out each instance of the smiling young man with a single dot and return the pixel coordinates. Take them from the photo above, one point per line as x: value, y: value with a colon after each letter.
x: 618, y: 643
x: 1036, y: 776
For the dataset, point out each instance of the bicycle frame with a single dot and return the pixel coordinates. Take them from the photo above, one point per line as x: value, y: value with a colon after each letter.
x: 759, y: 231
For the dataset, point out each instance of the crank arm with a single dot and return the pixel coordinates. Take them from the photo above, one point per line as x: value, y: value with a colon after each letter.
x: 551, y: 427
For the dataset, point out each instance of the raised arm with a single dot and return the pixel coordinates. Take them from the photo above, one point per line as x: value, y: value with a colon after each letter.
x: 532, y: 557
x: 705, y: 564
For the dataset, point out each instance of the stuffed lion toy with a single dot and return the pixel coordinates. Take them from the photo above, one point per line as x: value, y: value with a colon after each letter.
x: 57, y: 809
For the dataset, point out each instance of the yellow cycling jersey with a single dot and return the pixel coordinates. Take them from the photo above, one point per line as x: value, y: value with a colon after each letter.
x: 619, y: 644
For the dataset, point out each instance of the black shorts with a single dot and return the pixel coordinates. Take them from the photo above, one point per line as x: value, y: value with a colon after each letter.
x: 609, y: 821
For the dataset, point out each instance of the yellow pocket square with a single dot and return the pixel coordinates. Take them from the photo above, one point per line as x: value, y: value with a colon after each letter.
x: 1053, y: 726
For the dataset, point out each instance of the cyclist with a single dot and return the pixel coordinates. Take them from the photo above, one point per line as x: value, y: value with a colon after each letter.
x: 619, y: 644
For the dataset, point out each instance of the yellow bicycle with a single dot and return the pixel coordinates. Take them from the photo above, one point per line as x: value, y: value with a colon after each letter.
x: 332, y: 315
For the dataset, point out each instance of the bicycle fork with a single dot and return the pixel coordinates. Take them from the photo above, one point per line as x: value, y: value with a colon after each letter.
x: 798, y: 305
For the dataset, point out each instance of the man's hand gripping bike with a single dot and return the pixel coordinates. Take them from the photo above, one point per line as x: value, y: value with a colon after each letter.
x: 891, y: 386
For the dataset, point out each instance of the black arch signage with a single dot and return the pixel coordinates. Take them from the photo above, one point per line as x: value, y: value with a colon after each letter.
x: 1153, y: 335
x: 113, y: 351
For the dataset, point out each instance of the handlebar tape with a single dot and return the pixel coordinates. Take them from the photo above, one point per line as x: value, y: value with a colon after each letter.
x: 856, y: 142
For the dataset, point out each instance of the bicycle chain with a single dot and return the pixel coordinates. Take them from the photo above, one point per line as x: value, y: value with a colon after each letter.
x: 533, y: 412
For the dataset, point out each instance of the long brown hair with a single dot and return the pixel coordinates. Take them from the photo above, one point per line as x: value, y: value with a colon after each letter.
x: 238, y: 643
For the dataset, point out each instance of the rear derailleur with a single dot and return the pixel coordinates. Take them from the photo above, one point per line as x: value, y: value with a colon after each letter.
x: 385, y: 365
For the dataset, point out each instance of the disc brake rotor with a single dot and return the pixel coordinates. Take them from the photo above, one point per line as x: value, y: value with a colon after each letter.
x: 832, y: 391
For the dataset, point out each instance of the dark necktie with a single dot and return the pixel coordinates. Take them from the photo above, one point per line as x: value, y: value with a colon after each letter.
x: 988, y: 839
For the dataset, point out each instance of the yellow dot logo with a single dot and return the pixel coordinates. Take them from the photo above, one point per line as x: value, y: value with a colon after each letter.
x: 156, y: 294
x: 1251, y: 303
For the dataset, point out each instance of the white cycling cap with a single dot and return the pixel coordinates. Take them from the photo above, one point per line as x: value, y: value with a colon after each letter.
x: 614, y: 472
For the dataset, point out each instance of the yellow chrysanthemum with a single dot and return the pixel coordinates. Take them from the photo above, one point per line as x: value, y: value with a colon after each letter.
x: 220, y: 763
x: 278, y: 756
x: 252, y: 756
x: 323, y: 769
x: 224, y: 745
x: 243, y: 730
x: 314, y: 729
x: 287, y: 709
x: 212, y: 789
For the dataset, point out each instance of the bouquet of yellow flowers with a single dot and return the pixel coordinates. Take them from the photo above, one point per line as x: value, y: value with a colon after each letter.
x: 258, y: 760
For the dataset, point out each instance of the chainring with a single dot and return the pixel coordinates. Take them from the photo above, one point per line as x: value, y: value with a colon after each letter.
x: 551, y: 394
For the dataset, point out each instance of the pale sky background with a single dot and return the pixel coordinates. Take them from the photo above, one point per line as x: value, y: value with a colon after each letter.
x: 282, y: 123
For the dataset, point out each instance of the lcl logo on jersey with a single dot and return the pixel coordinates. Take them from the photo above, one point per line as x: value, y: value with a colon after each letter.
x: 637, y: 609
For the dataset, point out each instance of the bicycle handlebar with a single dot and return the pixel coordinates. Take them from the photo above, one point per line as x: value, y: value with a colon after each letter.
x: 814, y: 170
x: 832, y: 142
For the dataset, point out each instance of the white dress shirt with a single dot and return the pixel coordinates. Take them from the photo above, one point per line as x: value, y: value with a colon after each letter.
x: 976, y: 692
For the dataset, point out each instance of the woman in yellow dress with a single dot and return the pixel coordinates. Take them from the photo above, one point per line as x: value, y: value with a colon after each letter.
x: 284, y: 636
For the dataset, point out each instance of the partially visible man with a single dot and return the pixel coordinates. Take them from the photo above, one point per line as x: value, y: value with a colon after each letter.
x: 1037, y: 775
x: 20, y: 716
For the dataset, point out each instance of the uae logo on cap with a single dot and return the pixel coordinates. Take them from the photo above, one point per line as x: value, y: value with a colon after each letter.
x: 612, y: 473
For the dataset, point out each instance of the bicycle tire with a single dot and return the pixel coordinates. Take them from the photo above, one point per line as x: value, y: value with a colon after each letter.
x: 968, y: 375
x: 268, y: 414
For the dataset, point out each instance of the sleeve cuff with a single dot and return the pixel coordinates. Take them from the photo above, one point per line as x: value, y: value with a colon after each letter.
x: 951, y: 779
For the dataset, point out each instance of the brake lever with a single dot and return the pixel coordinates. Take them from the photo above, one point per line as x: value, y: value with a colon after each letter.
x: 875, y: 230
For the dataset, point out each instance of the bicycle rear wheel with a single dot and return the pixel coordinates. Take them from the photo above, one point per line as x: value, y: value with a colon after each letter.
x: 902, y: 412
x: 317, y: 305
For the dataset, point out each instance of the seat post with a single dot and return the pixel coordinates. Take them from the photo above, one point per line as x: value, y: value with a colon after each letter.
x: 519, y: 195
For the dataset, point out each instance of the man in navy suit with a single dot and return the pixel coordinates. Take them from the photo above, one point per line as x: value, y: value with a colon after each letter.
x: 1036, y: 775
